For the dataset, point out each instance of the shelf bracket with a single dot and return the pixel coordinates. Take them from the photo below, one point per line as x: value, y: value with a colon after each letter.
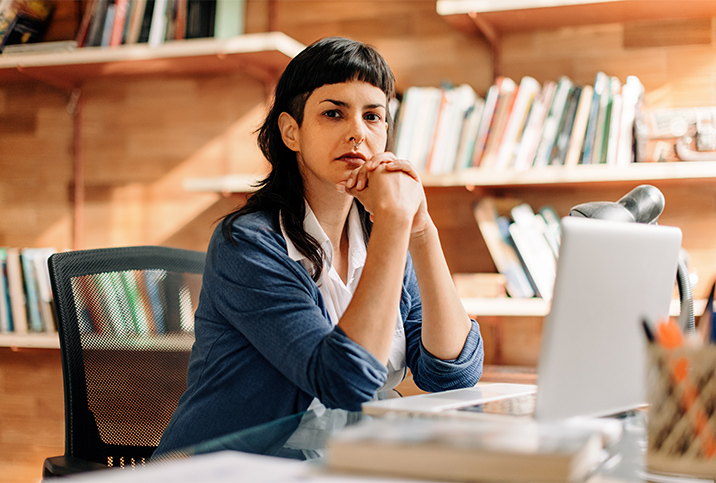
x: 493, y: 38
x: 74, y: 108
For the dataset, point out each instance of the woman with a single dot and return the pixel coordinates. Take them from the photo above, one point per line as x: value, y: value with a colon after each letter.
x: 331, y: 278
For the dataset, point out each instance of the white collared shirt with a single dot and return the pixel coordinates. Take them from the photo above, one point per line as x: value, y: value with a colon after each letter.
x: 337, y: 294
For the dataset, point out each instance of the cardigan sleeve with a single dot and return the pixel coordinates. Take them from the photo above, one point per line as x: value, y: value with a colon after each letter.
x: 430, y: 373
x: 275, y: 304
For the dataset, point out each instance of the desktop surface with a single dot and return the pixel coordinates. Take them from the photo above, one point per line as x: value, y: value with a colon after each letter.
x: 261, y: 448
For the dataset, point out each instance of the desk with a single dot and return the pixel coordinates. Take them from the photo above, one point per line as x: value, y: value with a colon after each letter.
x: 242, y: 457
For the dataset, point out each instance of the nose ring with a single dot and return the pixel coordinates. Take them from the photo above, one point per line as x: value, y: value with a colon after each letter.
x: 356, y: 143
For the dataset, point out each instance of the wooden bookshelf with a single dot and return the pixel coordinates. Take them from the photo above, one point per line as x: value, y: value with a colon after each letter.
x: 502, y: 16
x: 264, y: 55
x: 494, y: 18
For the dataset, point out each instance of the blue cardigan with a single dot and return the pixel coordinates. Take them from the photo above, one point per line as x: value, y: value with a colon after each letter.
x: 265, y: 346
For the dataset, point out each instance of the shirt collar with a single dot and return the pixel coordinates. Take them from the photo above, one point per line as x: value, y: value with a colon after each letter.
x: 356, y: 243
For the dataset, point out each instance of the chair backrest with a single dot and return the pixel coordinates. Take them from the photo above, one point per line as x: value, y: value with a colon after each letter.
x: 126, y: 323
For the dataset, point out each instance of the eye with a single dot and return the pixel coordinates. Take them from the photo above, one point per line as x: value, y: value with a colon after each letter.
x: 332, y: 113
x: 373, y: 116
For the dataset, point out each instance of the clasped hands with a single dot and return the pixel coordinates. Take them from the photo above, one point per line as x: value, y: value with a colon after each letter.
x: 386, y: 183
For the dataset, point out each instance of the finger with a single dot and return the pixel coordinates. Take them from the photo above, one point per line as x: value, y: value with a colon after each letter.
x: 378, y: 159
x: 405, y: 166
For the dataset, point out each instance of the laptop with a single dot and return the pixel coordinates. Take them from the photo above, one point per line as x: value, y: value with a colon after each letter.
x: 610, y: 276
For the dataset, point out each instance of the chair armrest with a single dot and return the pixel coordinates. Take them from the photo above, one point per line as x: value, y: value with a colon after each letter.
x: 68, y: 465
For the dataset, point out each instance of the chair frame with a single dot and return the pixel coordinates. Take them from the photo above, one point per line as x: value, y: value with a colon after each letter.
x: 62, y: 268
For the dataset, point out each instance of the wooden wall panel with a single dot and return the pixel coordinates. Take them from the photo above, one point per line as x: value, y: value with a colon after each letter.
x: 31, y: 412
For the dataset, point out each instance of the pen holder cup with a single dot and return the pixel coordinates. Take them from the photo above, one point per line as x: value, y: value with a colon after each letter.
x: 681, y: 385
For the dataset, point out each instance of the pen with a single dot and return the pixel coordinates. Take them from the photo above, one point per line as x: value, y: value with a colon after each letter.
x: 647, y: 331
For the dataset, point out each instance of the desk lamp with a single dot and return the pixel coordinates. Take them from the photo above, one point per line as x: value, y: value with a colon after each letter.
x: 644, y: 204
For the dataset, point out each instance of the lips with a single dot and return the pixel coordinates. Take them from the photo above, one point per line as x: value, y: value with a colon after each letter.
x: 353, y: 159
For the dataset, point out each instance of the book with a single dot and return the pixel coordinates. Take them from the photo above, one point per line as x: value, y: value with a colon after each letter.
x: 108, y: 22
x: 134, y: 21
x: 38, y: 257
x: 468, y: 134
x: 528, y: 89
x: 579, y: 129
x: 5, y: 312
x: 27, y: 22
x: 16, y: 291
x: 602, y: 127
x: 201, y: 15
x: 502, y: 252
x: 31, y: 291
x: 551, y: 124
x: 146, y: 24
x: 507, y: 90
x: 600, y: 83
x: 527, y: 149
x: 116, y: 36
x: 83, y: 29
x: 631, y: 95
x: 564, y: 130
x: 615, y: 113
x: 96, y: 25
x: 528, y: 232
x: 422, y: 134
x: 444, y: 449
x: 157, y: 29
x: 483, y: 130
x: 457, y: 101
x: 230, y: 18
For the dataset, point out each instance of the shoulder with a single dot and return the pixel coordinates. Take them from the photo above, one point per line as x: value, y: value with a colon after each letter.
x: 248, y: 236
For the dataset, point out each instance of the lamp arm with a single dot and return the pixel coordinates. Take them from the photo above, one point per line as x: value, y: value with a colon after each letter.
x: 686, y: 315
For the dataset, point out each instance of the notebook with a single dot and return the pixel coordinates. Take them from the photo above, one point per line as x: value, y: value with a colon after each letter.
x: 610, y: 276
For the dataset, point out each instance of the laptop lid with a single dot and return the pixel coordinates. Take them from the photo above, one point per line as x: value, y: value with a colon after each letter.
x: 610, y: 276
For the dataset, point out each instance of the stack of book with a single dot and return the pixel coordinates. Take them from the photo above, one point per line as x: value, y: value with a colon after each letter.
x: 519, y: 126
x: 524, y: 246
x: 444, y: 449
x: 25, y: 294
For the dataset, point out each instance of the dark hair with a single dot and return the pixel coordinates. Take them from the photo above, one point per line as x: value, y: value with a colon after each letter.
x: 330, y: 60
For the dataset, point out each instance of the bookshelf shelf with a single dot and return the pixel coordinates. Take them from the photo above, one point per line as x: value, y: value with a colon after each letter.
x: 502, y: 16
x: 264, y: 55
x: 479, y: 178
x: 52, y: 341
x: 30, y: 341
x: 537, y: 307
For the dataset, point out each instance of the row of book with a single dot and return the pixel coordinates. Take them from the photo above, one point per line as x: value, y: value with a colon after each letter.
x: 110, y: 23
x: 519, y: 125
x: 133, y: 302
x: 116, y: 22
x: 25, y: 294
x: 524, y: 246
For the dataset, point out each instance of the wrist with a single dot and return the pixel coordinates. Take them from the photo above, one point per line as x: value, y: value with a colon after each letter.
x: 422, y: 235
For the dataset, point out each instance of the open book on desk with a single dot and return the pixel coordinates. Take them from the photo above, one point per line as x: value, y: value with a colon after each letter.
x: 466, y: 450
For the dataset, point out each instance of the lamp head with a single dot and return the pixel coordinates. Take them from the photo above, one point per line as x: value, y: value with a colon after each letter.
x: 643, y: 204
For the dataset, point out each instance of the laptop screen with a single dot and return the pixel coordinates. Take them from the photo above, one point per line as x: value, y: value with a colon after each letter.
x: 610, y: 276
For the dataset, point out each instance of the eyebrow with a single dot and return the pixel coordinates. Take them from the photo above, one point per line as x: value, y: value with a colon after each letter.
x: 345, y: 104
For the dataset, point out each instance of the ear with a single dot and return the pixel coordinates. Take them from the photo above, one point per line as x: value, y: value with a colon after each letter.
x: 289, y: 131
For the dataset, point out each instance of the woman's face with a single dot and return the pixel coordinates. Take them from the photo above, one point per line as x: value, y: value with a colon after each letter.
x: 343, y: 126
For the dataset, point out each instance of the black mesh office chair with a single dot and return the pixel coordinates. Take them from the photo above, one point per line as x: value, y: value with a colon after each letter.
x: 126, y: 323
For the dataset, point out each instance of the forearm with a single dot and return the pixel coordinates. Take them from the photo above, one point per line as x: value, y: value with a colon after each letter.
x: 445, y: 324
x: 370, y: 318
